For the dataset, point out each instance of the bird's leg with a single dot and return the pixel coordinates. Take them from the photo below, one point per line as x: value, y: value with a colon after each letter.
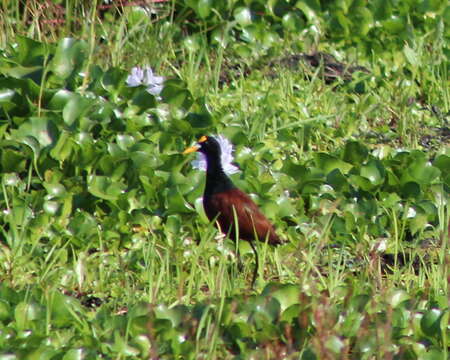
x: 255, y: 271
x: 240, y: 265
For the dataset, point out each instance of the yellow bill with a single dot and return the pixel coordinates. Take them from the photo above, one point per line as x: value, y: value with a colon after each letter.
x: 191, y: 149
x: 195, y: 147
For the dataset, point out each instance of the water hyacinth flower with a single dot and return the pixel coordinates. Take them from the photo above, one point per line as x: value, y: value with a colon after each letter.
x: 226, y: 158
x: 147, y: 78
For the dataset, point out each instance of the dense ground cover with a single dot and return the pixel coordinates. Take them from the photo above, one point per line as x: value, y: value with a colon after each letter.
x: 104, y: 247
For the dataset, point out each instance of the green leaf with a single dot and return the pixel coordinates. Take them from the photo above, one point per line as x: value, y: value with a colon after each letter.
x: 373, y: 171
x: 31, y: 52
x: 291, y: 313
x: 444, y: 323
x: 143, y: 100
x: 285, y: 207
x: 382, y: 9
x: 292, y: 22
x: 55, y: 190
x: 286, y: 294
x: 6, y: 95
x: 442, y: 162
x: 430, y: 322
x: 60, y: 99
x: 328, y: 163
x: 75, y: 354
x: 104, y: 187
x: 69, y: 56
x: 21, y: 72
x: 63, y: 147
x: 41, y: 129
x: 352, y: 323
x: 176, y: 94
x: 175, y: 314
x: 83, y: 225
x: 193, y: 42
x: 113, y: 81
x: 355, y: 153
x: 307, y: 10
x: 398, y: 297
x: 5, y: 310
x: 125, y: 141
x: 204, y: 8
x: 280, y: 8
x: 12, y: 161
x: 64, y: 309
x: 51, y: 207
x: 243, y: 16
x: 363, y: 19
x: 411, y: 55
x: 25, y: 312
x: 143, y: 155
x: 394, y: 24
x: 75, y: 108
x: 410, y: 189
x: 175, y: 202
x: 199, y: 121
x: 11, y: 179
x: 423, y: 172
x: 337, y: 180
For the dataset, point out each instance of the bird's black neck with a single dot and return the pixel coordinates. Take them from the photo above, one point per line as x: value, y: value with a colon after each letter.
x: 216, y: 179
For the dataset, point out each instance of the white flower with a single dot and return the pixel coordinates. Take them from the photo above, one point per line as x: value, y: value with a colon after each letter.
x: 226, y: 158
x: 411, y: 213
x: 136, y: 76
x: 146, y: 77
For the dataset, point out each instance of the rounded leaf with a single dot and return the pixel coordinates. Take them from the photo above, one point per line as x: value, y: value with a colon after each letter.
x: 373, y: 171
x: 11, y: 179
x: 398, y: 297
x: 75, y: 354
x: 286, y: 294
x: 51, y: 207
x: 60, y: 99
x: 26, y: 312
x: 430, y: 322
x: 292, y: 22
x: 204, y: 8
x: 75, y: 108
x: 394, y: 24
x: 243, y: 16
x: 143, y: 100
x: 55, y: 190
x: 104, y: 187
x: 69, y: 56
x: 175, y: 314
x: 175, y: 93
x: 328, y: 163
x: 410, y: 189
x: 355, y: 152
x: 423, y: 172
x: 41, y: 129
x: 5, y: 310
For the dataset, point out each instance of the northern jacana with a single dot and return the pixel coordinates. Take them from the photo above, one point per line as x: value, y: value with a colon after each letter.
x: 227, y: 205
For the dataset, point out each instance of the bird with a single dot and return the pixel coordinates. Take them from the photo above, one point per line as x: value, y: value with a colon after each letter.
x: 229, y: 206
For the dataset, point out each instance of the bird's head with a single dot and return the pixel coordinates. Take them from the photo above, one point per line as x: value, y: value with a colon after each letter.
x: 216, y: 151
x: 207, y: 145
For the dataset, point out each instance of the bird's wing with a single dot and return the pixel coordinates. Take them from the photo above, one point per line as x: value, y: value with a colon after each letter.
x: 235, y: 203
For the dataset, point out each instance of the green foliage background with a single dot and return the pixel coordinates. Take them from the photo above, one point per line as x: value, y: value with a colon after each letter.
x: 104, y: 247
